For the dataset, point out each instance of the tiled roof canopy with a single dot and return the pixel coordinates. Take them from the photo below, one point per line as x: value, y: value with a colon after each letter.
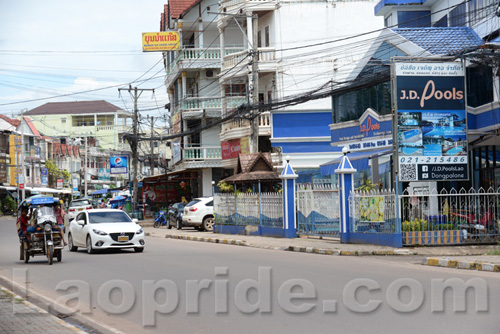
x: 83, y: 107
x: 442, y: 41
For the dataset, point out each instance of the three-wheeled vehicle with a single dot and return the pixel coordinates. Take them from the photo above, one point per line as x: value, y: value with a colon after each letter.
x: 44, y: 238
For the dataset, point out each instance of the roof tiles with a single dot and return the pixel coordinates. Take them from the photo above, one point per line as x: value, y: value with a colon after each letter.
x: 442, y: 41
x: 81, y: 107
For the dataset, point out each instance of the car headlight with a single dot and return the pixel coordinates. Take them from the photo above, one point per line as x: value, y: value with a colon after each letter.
x: 141, y: 231
x: 98, y: 232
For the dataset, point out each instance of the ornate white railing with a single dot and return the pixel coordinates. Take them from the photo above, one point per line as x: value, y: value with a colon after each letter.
x: 202, y: 153
x: 265, y: 209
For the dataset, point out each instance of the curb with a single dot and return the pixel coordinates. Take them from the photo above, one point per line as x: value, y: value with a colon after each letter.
x: 469, y: 265
x: 299, y: 249
x: 204, y: 239
x: 39, y: 310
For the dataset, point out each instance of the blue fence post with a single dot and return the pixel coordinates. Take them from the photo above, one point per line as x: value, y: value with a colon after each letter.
x: 289, y: 213
x: 345, y: 172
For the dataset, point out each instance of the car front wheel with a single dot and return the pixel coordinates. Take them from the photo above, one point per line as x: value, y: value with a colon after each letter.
x: 90, y: 250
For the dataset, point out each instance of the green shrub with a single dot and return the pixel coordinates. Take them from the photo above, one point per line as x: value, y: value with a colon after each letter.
x: 423, y: 225
x: 8, y: 202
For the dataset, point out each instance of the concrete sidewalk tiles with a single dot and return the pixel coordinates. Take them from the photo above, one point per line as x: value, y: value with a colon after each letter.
x: 18, y: 316
x: 458, y: 264
x: 300, y: 249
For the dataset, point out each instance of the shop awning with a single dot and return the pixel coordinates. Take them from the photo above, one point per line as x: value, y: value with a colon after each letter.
x: 359, y: 160
x: 100, y: 191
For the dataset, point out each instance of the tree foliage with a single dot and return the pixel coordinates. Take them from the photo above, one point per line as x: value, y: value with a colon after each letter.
x: 55, y: 172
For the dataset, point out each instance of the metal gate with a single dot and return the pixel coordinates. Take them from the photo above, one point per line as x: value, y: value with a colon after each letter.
x: 318, y: 210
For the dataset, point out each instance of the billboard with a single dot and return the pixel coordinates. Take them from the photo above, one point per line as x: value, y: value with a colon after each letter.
x: 118, y: 164
x: 431, y: 125
x: 103, y: 174
x: 232, y: 148
x: 160, y: 41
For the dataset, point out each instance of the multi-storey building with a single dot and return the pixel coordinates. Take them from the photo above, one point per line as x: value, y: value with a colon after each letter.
x: 292, y: 49
x: 236, y: 60
x: 97, y: 128
x: 194, y: 93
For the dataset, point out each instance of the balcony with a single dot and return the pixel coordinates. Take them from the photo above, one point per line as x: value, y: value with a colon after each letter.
x: 236, y: 64
x: 240, y: 127
x: 199, y: 107
x: 200, y: 157
x: 233, y: 6
x: 196, y: 59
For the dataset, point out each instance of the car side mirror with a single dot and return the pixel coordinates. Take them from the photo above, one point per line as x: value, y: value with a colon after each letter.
x: 81, y: 222
x: 135, y: 220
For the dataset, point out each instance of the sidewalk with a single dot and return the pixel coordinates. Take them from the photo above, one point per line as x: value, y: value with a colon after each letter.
x: 332, y: 246
x: 18, y: 316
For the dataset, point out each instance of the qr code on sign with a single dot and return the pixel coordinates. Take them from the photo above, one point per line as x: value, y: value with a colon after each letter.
x: 407, y: 172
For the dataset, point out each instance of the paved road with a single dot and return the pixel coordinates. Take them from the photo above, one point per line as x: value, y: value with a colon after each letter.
x: 213, y: 288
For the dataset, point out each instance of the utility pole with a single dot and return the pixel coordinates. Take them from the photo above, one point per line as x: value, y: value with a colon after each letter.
x: 151, y: 146
x: 253, y: 81
x: 133, y: 142
x: 86, y: 165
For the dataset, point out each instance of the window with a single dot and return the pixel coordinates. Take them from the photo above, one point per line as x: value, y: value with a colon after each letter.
x: 442, y: 22
x: 83, y: 121
x: 458, y: 17
x: 479, y: 85
x: 351, y: 105
x: 267, y: 37
x: 236, y: 90
x: 414, y: 19
x: 479, y: 9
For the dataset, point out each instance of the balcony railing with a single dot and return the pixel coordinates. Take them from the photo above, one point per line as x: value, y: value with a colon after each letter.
x: 212, y: 106
x: 202, y: 55
x: 242, y: 123
x: 202, y: 153
x: 238, y: 59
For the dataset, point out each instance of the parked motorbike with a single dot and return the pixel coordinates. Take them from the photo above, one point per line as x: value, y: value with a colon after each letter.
x: 474, y: 226
x: 46, y: 238
x: 161, y: 220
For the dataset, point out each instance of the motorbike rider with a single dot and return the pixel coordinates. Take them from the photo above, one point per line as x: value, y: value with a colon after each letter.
x: 59, y: 212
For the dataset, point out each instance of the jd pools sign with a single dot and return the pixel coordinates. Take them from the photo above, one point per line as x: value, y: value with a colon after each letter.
x: 431, y: 131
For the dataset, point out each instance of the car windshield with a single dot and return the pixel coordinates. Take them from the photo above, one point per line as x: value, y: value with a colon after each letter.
x: 80, y: 203
x: 45, y: 211
x: 109, y: 217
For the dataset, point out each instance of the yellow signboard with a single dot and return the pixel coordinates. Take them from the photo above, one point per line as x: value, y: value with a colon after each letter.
x: 160, y: 41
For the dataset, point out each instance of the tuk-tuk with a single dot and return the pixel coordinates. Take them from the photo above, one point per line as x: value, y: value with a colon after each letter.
x: 44, y: 237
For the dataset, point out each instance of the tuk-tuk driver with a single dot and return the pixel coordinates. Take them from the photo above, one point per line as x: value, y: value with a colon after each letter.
x: 23, y: 222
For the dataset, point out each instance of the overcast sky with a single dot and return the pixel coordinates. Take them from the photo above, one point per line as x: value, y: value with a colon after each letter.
x: 55, y: 47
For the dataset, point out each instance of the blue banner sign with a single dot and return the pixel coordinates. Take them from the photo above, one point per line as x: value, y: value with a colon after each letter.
x: 42, y: 200
x: 119, y: 164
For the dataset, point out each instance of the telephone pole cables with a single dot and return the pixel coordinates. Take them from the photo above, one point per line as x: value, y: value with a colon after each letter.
x: 135, y: 93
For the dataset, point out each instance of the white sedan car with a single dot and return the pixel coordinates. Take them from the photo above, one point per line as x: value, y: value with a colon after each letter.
x: 105, y: 228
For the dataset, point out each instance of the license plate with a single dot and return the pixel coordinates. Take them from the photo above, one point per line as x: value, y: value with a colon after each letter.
x: 80, y: 209
x: 122, y: 238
